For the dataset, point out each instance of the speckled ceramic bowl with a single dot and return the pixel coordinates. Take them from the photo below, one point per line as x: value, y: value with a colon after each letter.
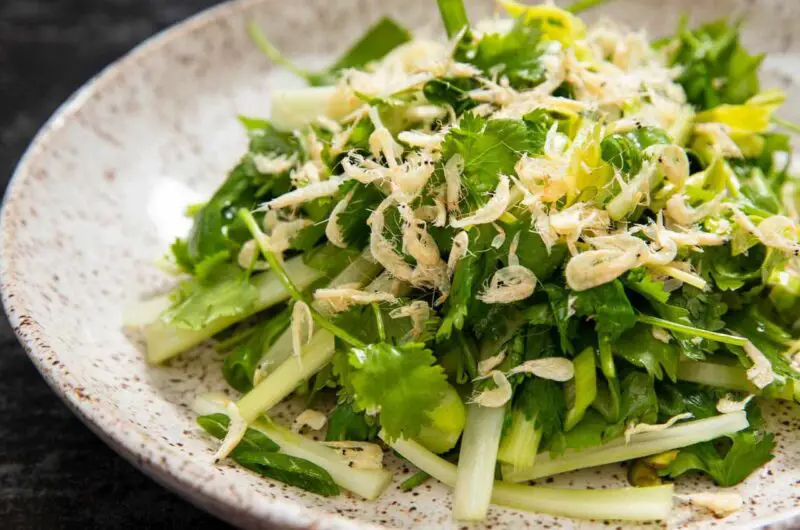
x: 100, y: 194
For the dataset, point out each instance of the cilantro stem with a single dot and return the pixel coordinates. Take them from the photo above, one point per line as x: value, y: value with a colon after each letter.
x: 274, y: 55
x: 582, y: 5
x: 414, y: 480
x: 454, y: 16
x: 275, y: 264
x: 682, y: 328
x: 379, y: 321
x: 786, y: 124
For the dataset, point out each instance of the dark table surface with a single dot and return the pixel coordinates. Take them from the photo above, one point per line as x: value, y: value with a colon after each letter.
x: 54, y: 473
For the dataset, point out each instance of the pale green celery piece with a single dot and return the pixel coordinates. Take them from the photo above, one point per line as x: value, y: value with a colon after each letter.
x: 733, y: 378
x: 585, y: 385
x: 478, y: 455
x: 368, y: 483
x: 294, y: 108
x: 361, y: 271
x: 282, y: 382
x: 520, y: 442
x: 643, y: 444
x: 165, y: 341
x: 627, y: 504
x: 447, y: 423
x: 145, y: 312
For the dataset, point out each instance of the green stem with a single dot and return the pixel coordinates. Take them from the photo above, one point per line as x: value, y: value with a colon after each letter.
x: 274, y: 54
x: 786, y: 124
x: 454, y: 16
x: 582, y: 5
x: 276, y: 265
x: 682, y: 328
x: 379, y: 321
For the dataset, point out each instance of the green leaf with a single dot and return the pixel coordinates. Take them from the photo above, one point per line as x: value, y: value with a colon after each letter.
x: 715, y: 67
x: 257, y: 452
x: 229, y: 297
x: 265, y: 139
x: 542, y: 400
x: 289, y: 470
x: 640, y: 348
x: 345, y: 423
x: 402, y: 381
x: 381, y: 38
x: 180, y: 254
x: 559, y: 303
x: 728, y: 271
x: 608, y: 305
x: 641, y: 281
x: 217, y: 426
x: 727, y: 467
x: 453, y: 92
x: 514, y: 55
x: 240, y: 365
x: 463, y: 291
x: 532, y: 252
x: 489, y: 148
x: 352, y: 220
x: 210, y: 232
x: 701, y: 401
x: 587, y: 433
x: 329, y: 258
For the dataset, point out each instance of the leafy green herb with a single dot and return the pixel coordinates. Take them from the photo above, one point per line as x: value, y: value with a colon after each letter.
x: 345, y: 423
x: 514, y: 55
x: 240, y: 365
x: 289, y: 470
x: 639, y: 347
x: 727, y: 465
x: 608, y: 306
x: 716, y: 68
x: 403, y: 382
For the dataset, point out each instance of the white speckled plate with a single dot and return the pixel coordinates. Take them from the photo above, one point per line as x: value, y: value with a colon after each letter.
x: 100, y: 194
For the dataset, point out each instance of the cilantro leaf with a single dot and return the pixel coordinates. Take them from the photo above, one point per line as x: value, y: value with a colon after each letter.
x: 641, y: 281
x: 402, y: 381
x: 231, y: 296
x: 514, y: 55
x: 608, y: 305
x: 345, y: 423
x: 353, y: 220
x: 640, y: 348
x: 532, y: 252
x: 489, y: 148
x: 542, y: 400
x: 715, y: 67
x: 726, y: 466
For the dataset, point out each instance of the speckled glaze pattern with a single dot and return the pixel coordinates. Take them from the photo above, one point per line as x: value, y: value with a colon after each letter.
x: 99, y: 195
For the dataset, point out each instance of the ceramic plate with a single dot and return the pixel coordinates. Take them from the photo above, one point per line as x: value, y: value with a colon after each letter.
x: 100, y: 194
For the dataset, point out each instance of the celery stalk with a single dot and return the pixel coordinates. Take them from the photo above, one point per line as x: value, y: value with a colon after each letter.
x: 479, y: 444
x: 644, y: 444
x: 272, y: 390
x: 165, y: 341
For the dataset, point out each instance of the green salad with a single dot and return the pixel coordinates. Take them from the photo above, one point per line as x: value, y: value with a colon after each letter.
x: 534, y: 247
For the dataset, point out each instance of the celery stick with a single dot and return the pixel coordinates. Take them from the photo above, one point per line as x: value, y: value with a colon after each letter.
x: 165, y: 341
x: 479, y: 444
x: 644, y: 444
x: 270, y: 391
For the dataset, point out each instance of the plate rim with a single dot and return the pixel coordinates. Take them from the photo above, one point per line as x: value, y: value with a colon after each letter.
x: 232, y: 508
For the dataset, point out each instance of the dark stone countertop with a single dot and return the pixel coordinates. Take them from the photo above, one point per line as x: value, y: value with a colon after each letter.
x: 54, y: 473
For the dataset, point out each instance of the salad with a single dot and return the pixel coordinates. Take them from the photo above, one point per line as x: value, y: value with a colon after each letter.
x: 532, y: 248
